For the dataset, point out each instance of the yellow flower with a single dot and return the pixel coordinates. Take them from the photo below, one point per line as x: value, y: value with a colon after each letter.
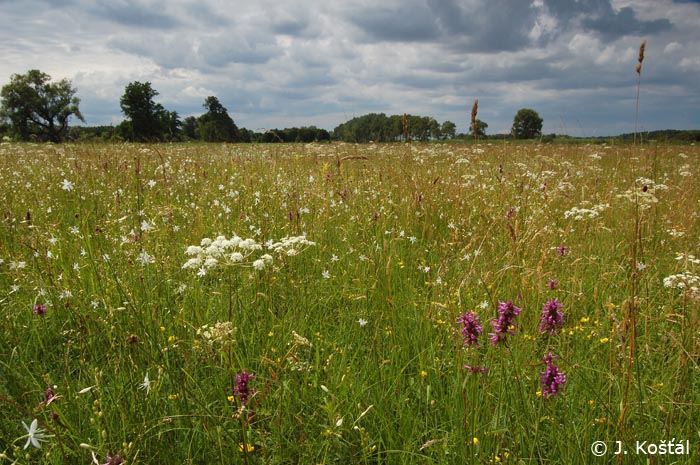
x: 162, y: 329
x: 538, y: 393
x: 604, y: 340
x: 230, y: 398
x: 171, y: 338
x: 423, y: 373
x: 475, y: 441
x: 584, y: 319
x: 174, y: 396
x: 248, y: 448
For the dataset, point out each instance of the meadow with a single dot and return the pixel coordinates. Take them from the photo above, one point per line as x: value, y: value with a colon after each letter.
x: 349, y: 304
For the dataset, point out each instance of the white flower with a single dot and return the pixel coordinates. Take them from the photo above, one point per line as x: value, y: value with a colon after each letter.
x: 66, y: 186
x: 326, y: 274
x: 35, y: 434
x: 145, y: 259
x: 259, y: 265
x: 146, y: 226
x: 362, y: 322
x: 146, y: 385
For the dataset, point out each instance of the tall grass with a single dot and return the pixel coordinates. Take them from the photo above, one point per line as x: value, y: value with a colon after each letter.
x: 353, y: 342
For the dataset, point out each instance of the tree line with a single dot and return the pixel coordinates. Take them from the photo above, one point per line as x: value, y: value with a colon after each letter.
x: 35, y: 108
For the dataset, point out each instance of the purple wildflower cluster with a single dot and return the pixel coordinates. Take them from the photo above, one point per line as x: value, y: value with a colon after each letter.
x: 471, y: 328
x: 507, y: 312
x: 551, y: 318
x: 39, y: 310
x: 241, y: 390
x: 552, y: 379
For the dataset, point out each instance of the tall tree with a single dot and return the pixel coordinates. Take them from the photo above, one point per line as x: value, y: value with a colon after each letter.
x: 145, y: 117
x: 527, y: 124
x: 39, y: 108
x: 216, y: 125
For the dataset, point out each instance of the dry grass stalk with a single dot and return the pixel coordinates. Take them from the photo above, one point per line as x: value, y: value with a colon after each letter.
x: 406, y: 134
x: 641, y: 56
x: 475, y: 109
x: 639, y: 81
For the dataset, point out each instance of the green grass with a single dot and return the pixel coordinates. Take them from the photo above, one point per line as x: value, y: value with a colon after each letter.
x: 407, y: 239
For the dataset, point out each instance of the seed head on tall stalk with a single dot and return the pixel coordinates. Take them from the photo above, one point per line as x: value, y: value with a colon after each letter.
x: 475, y: 126
x: 639, y: 82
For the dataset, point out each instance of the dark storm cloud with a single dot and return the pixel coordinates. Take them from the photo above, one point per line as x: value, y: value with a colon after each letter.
x: 624, y: 22
x: 486, y: 26
x: 135, y: 13
x: 475, y: 26
x: 599, y: 16
x: 406, y: 22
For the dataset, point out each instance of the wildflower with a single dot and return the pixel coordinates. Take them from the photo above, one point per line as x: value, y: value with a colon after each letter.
x: 505, y: 324
x: 473, y: 369
x: 362, y: 322
x: 326, y: 274
x: 552, y: 379
x: 259, y: 265
x: 551, y: 318
x: 39, y: 310
x: 48, y: 397
x: 552, y: 284
x: 111, y: 460
x: 146, y: 384
x: 471, y: 328
x: 35, y: 434
x: 241, y: 389
x: 248, y: 448
x: 146, y: 226
x: 423, y: 373
x: 561, y: 250
x: 67, y: 185
x: 145, y: 258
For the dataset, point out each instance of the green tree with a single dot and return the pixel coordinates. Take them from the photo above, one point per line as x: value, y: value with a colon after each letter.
x: 480, y: 128
x: 145, y: 118
x: 527, y: 124
x: 216, y: 125
x: 189, y: 127
x: 448, y: 130
x: 171, y: 124
x: 39, y: 108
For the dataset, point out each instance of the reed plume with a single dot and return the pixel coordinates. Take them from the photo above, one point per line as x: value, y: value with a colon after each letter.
x: 406, y: 133
x: 639, y: 82
x: 475, y: 126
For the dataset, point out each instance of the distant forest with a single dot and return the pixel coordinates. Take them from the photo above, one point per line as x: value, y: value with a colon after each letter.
x: 359, y: 133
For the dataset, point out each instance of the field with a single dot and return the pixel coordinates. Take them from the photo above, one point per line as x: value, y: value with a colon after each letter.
x: 349, y: 304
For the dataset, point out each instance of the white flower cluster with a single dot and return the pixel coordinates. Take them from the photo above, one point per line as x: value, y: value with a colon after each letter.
x: 237, y: 251
x: 579, y: 214
x: 686, y: 281
x: 289, y: 245
x: 221, y: 332
x: 688, y: 258
x: 645, y: 195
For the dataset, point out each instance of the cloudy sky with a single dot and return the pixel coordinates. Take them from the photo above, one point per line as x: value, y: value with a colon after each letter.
x: 315, y: 62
